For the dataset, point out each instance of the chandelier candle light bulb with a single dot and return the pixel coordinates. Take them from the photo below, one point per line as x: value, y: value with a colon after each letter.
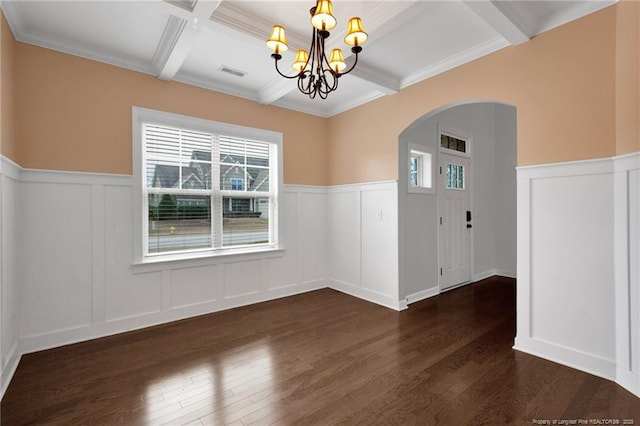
x: 317, y: 75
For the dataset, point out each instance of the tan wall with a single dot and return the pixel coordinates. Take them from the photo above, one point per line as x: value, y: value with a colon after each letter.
x: 75, y: 114
x: 628, y: 77
x: 562, y: 83
x: 7, y: 134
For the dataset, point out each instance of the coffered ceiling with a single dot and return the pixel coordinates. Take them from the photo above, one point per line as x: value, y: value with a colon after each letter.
x: 220, y: 45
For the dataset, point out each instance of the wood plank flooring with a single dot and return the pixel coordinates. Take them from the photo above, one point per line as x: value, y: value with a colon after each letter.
x: 317, y: 358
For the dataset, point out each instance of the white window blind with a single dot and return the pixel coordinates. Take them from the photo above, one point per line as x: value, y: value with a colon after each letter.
x: 206, y: 191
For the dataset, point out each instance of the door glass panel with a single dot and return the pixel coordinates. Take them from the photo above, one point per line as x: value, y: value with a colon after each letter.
x: 455, y: 176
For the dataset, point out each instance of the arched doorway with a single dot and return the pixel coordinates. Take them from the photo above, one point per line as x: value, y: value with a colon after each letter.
x: 482, y: 166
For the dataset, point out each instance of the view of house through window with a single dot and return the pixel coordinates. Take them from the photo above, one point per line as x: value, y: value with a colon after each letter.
x: 206, y: 191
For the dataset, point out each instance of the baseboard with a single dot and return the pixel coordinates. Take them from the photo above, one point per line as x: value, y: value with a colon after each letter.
x: 421, y: 295
x: 566, y: 356
x: 58, y: 338
x: 492, y: 273
x: 629, y: 380
x: 9, y: 370
x: 505, y: 273
x: 483, y: 275
x: 368, y: 295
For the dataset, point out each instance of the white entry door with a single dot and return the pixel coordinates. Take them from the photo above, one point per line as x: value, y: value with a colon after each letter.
x: 455, y: 225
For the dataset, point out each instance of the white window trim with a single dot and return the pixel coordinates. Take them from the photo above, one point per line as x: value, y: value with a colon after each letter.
x: 424, y: 151
x: 144, y: 115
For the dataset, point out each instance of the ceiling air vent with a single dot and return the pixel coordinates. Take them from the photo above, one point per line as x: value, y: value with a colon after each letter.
x: 232, y: 71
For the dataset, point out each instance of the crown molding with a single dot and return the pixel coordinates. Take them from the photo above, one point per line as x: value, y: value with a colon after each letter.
x: 330, y: 112
x: 468, y: 55
x: 16, y: 24
x: 232, y: 16
x: 204, y: 83
x: 187, y: 5
x: 92, y: 54
x: 579, y: 10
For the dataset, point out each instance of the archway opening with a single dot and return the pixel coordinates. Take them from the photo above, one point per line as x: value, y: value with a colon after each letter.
x: 483, y: 165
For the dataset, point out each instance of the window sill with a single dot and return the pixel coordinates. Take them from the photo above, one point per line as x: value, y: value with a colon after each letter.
x: 188, y: 260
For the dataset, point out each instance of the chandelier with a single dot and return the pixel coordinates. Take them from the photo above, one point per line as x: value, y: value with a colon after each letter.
x: 317, y: 75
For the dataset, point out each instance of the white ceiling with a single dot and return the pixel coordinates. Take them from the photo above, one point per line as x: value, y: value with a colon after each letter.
x: 191, y: 40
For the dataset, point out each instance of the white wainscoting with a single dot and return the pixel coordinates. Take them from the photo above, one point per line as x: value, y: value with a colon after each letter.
x: 78, y: 282
x: 9, y: 337
x: 363, y: 242
x: 577, y: 298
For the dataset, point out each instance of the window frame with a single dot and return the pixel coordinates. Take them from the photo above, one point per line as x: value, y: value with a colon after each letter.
x: 425, y: 171
x: 141, y: 116
x: 447, y: 131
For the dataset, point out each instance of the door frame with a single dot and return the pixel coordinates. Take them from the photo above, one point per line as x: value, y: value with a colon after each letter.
x: 469, y: 182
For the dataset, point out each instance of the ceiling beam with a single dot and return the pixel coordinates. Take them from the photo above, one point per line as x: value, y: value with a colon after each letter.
x: 178, y: 38
x: 384, y: 82
x: 506, y: 24
x: 278, y: 88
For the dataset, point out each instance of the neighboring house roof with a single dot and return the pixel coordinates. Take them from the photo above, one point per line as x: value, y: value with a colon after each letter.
x: 260, y: 181
x: 201, y: 156
x: 196, y: 176
x: 165, y: 176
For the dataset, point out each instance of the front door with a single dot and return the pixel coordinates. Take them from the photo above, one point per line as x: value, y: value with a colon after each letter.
x: 454, y: 229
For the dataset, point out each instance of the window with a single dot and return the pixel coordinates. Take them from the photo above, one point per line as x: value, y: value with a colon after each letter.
x: 237, y: 184
x: 420, y: 170
x: 205, y: 187
x: 455, y: 176
x: 453, y: 143
x: 414, y: 170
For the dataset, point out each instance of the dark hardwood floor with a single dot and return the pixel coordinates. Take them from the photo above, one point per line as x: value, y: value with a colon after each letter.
x: 317, y: 358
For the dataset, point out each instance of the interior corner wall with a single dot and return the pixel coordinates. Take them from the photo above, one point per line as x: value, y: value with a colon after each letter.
x: 492, y: 129
x: 505, y: 190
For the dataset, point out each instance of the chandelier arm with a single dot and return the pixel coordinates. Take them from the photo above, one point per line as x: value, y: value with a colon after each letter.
x: 329, y: 87
x: 354, y: 62
x: 277, y: 57
x: 301, y: 86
